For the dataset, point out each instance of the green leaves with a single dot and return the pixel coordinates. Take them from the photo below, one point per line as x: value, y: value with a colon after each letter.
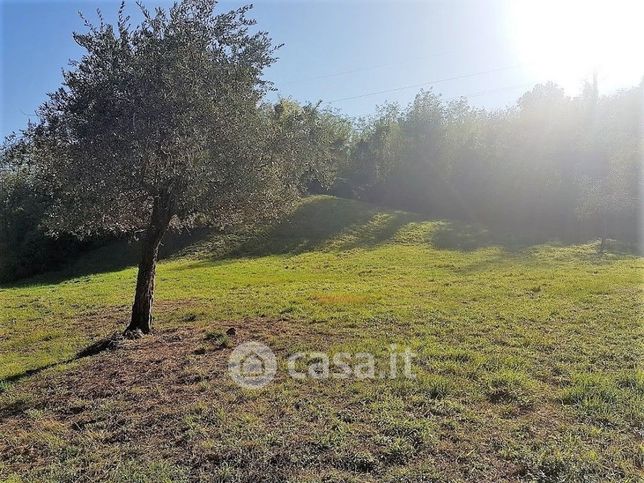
x: 166, y: 108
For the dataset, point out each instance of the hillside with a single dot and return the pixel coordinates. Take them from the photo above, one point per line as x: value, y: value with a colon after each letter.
x: 526, y: 368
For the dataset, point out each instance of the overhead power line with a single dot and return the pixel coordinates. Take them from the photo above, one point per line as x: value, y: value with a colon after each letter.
x: 367, y: 68
x: 476, y: 42
x: 422, y: 84
x: 496, y: 89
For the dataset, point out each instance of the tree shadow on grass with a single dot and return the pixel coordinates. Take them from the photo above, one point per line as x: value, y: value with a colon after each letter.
x: 314, y: 223
x: 318, y: 222
x: 104, y: 344
x: 462, y: 236
x: 326, y: 223
x: 109, y: 257
x: 19, y: 406
x: 466, y: 237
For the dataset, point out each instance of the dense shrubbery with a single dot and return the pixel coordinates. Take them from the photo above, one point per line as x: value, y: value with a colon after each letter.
x: 560, y: 165
x: 25, y: 248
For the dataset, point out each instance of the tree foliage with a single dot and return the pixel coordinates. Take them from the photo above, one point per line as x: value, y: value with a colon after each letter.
x: 164, y: 113
x: 563, y: 166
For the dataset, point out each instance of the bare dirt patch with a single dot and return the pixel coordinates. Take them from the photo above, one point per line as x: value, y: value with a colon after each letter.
x: 132, y: 393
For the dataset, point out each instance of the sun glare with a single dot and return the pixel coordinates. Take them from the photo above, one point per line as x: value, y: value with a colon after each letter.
x: 566, y: 41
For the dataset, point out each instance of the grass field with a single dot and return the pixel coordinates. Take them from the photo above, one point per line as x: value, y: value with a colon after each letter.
x: 528, y: 359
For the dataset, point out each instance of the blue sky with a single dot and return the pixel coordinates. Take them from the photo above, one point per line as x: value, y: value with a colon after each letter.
x: 356, y: 54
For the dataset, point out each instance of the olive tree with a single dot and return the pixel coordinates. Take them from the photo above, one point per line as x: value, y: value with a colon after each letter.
x: 160, y: 125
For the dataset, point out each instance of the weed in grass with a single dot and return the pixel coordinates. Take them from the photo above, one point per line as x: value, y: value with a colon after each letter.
x: 590, y: 386
x: 360, y: 461
x: 562, y: 460
x: 510, y: 386
x: 434, y: 386
x: 218, y: 338
x: 398, y: 451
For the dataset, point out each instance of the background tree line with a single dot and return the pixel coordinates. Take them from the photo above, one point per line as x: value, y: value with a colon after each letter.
x: 566, y: 167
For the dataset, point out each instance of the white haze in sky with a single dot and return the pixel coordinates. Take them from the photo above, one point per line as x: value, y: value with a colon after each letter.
x: 568, y: 40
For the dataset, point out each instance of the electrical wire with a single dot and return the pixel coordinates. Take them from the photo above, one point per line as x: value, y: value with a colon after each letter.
x: 422, y: 84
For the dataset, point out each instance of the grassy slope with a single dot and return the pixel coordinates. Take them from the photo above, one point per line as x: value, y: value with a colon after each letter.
x: 527, y: 363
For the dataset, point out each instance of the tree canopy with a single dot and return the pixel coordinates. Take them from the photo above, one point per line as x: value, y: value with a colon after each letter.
x: 163, y: 114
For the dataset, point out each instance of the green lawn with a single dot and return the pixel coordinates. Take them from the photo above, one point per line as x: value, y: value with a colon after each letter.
x: 528, y: 358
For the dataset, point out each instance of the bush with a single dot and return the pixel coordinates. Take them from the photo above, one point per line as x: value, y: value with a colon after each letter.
x: 25, y: 248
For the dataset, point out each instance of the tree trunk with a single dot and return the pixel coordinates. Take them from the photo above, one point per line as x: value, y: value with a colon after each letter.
x: 144, y: 296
